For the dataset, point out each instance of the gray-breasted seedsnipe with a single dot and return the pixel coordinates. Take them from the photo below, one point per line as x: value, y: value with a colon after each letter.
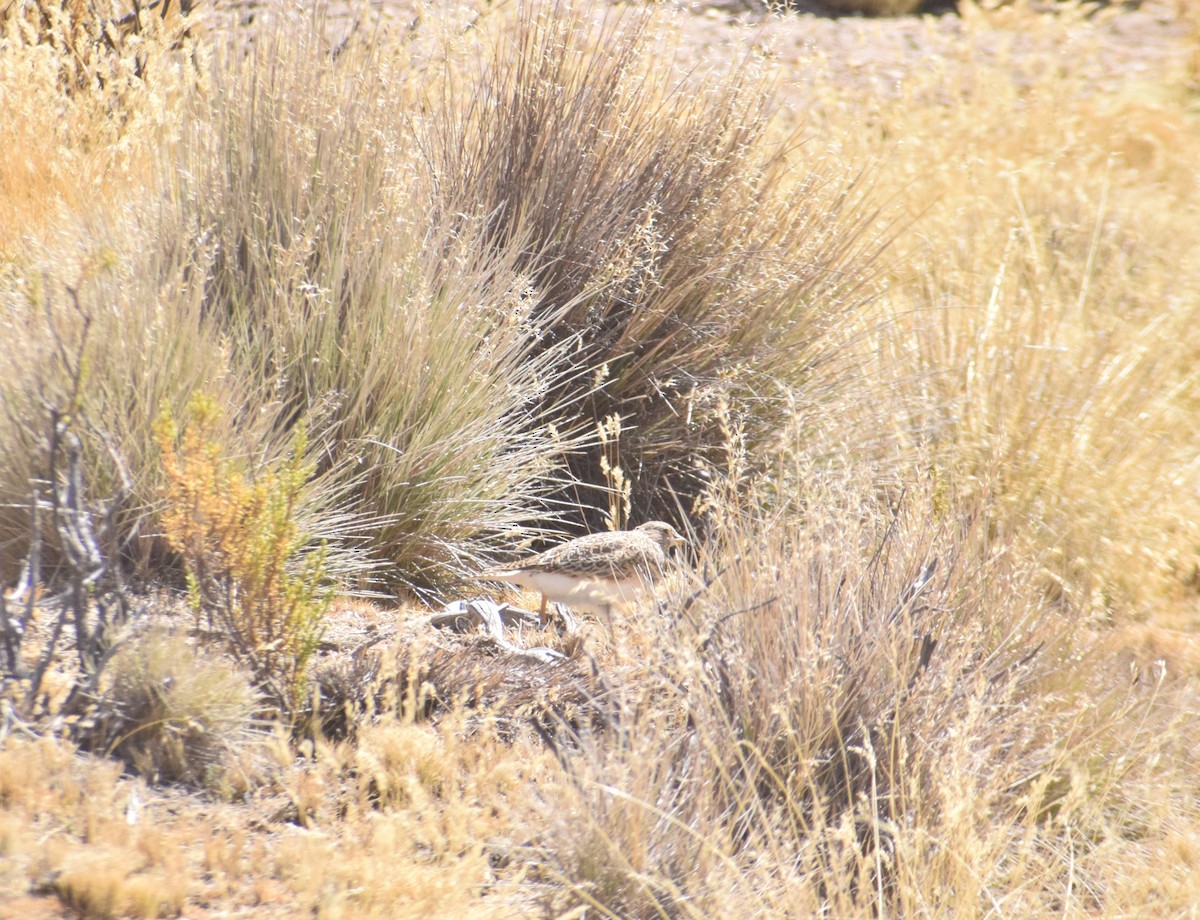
x: 594, y: 572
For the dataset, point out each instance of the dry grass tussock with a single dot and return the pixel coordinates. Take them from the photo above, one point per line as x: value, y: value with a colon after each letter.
x: 681, y: 256
x: 809, y: 735
x: 299, y: 322
x: 173, y: 715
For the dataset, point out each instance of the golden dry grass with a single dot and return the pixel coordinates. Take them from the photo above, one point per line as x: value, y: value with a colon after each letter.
x: 1017, y: 400
x: 82, y: 126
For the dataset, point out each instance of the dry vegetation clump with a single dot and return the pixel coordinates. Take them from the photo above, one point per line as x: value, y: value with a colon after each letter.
x: 929, y: 652
x: 1046, y: 352
x: 88, y: 96
x: 171, y: 711
x: 285, y: 268
x: 834, y: 724
x: 874, y: 7
x: 404, y: 342
x: 317, y: 263
x: 418, y: 681
x: 681, y: 256
x: 69, y: 836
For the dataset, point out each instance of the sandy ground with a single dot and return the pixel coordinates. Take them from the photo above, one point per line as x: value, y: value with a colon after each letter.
x: 1134, y: 44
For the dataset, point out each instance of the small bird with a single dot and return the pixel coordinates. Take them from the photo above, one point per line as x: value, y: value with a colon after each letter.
x: 594, y: 572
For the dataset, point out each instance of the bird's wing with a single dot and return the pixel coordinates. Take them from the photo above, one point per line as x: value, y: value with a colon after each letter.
x: 597, y: 551
x: 594, y: 552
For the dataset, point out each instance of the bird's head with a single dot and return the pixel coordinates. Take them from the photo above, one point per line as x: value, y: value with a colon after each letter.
x: 666, y: 535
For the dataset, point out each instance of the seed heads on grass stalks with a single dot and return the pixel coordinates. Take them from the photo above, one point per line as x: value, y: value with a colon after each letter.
x: 618, y: 487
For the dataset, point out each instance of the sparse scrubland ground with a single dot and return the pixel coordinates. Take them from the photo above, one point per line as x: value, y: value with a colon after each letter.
x: 898, y: 319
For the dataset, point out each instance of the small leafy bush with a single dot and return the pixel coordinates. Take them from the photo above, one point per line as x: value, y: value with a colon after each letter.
x: 250, y: 567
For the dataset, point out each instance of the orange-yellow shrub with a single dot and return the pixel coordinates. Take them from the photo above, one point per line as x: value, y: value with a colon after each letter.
x: 249, y: 566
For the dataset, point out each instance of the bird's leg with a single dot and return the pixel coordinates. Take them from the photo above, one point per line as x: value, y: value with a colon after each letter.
x: 542, y: 613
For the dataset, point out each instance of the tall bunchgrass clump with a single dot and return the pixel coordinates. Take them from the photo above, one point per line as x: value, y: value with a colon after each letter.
x: 284, y: 262
x: 83, y: 123
x: 338, y: 256
x: 107, y: 334
x: 404, y: 339
x: 684, y: 256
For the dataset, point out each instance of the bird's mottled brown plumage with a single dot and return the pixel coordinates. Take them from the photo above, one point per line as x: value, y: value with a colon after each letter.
x: 595, y: 571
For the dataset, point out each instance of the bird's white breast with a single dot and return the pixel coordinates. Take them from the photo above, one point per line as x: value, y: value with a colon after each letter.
x: 593, y: 594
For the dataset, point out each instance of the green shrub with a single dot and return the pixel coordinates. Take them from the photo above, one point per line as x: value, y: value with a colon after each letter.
x: 250, y: 567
